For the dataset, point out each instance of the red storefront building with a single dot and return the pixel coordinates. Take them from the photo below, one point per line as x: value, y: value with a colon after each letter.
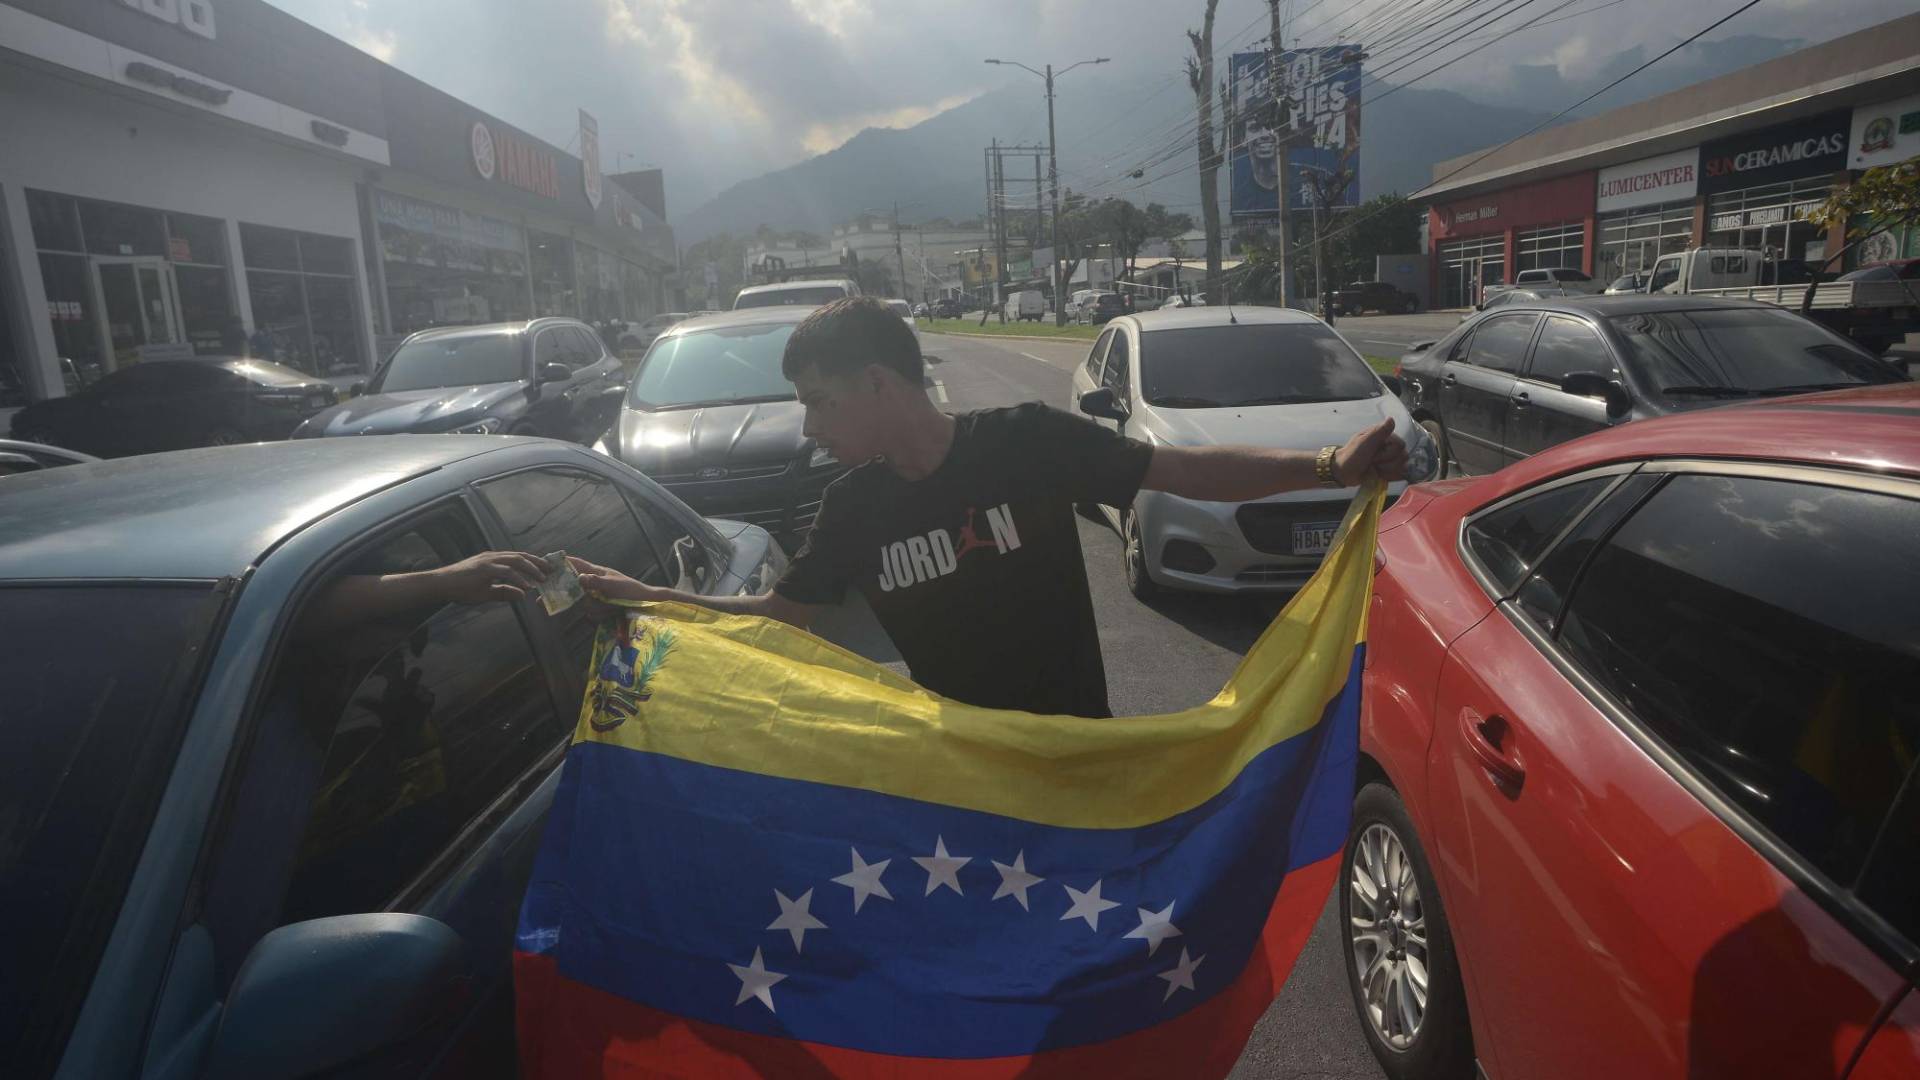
x: 1487, y: 239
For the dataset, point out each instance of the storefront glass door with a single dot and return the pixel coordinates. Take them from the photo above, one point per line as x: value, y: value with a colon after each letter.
x: 138, y: 306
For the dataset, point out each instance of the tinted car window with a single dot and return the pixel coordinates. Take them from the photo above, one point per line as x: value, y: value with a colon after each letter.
x: 1759, y: 350
x: 1507, y: 541
x: 1567, y: 346
x: 160, y: 377
x: 1265, y: 364
x: 471, y: 360
x: 417, y: 719
x: 1500, y: 343
x: 1098, y: 355
x: 724, y: 365
x: 92, y: 714
x: 583, y: 348
x: 1546, y: 589
x: 690, y: 565
x: 1114, y: 375
x: 1764, y: 630
x: 547, y: 510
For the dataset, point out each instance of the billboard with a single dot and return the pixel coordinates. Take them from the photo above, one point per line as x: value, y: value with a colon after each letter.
x: 1322, y: 90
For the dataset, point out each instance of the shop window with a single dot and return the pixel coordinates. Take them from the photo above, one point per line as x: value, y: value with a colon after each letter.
x: 270, y: 249
x: 195, y: 239
x: 56, y: 222
x: 71, y: 314
x: 302, y: 288
x: 206, y: 311
x: 112, y: 229
x: 552, y: 266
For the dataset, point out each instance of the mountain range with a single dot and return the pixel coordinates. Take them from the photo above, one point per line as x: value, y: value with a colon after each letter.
x: 1110, y: 125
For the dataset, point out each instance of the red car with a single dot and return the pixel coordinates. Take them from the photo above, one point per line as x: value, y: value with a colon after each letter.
x: 1638, y: 793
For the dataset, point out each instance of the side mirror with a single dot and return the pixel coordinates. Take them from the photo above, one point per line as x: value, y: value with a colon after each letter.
x: 1594, y: 384
x: 357, y: 388
x: 321, y: 993
x: 1103, y: 404
x: 552, y: 372
x: 1394, y: 384
x: 1421, y: 346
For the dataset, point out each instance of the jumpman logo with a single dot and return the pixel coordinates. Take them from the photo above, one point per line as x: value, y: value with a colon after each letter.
x: 968, y: 538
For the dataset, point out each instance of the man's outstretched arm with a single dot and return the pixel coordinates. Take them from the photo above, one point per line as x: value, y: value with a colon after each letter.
x: 614, y: 585
x: 1240, y: 473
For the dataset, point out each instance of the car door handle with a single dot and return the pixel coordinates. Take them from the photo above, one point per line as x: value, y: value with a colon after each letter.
x: 1522, y: 399
x: 1449, y: 378
x: 1490, y: 740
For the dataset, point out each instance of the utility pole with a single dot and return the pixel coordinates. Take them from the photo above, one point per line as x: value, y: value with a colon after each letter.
x: 1000, y: 211
x: 1053, y: 169
x: 1283, y: 132
x: 897, y: 253
x: 1039, y: 204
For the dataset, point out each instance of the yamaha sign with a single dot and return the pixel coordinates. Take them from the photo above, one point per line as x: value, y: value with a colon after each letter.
x: 1807, y: 148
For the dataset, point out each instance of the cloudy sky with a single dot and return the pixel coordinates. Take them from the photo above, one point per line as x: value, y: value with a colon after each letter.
x: 717, y: 91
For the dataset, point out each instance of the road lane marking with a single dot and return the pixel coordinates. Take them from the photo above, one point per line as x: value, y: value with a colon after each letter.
x: 1042, y: 359
x: 939, y: 391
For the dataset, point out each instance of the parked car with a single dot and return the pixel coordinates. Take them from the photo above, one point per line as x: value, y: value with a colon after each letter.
x: 175, y: 404
x: 1891, y: 270
x: 901, y: 309
x: 1381, y: 296
x: 636, y: 340
x: 1508, y: 297
x: 1179, y: 301
x: 710, y: 417
x: 1875, y: 311
x: 803, y: 293
x: 1513, y: 381
x: 280, y: 821
x: 1101, y: 308
x: 18, y: 456
x: 547, y: 377
x: 1628, y: 283
x: 921, y: 311
x: 948, y: 308
x: 1557, y: 277
x: 1025, y: 304
x: 1637, y: 787
x: 1259, y: 376
x: 1074, y: 302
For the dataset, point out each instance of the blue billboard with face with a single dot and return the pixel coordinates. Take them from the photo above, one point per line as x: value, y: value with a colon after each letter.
x: 1320, y: 89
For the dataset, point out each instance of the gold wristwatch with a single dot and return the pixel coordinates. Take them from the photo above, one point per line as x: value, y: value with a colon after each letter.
x: 1323, y: 467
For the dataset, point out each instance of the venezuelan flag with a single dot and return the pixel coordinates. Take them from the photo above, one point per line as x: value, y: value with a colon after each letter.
x: 769, y: 857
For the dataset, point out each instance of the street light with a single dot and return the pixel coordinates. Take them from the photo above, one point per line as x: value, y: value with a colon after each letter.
x: 1053, y: 171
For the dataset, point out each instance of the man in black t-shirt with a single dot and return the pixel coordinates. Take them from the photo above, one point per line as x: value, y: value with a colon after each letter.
x: 960, y: 530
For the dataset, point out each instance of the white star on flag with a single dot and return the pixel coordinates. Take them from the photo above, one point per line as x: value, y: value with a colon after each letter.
x: 795, y: 918
x: 1087, y: 905
x: 1156, y: 927
x: 1014, y: 880
x: 756, y: 981
x: 1181, y: 977
x: 864, y: 879
x: 942, y: 868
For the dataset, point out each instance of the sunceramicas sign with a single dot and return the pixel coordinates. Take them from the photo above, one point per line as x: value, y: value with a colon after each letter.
x: 1667, y: 178
x: 1805, y: 148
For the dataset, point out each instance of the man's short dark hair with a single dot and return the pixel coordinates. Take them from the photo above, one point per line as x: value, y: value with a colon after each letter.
x: 845, y: 336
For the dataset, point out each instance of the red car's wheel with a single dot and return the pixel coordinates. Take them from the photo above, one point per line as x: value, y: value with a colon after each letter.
x: 1401, y: 968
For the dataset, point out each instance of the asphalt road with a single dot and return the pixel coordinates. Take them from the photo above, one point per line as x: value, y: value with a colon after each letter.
x: 1172, y: 656
x: 1391, y: 335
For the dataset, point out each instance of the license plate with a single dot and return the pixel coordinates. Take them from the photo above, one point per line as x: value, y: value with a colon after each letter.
x: 1313, y: 537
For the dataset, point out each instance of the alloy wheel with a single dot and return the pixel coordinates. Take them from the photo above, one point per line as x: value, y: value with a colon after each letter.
x: 1387, y: 936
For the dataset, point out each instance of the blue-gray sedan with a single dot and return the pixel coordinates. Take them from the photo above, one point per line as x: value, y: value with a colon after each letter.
x: 276, y: 764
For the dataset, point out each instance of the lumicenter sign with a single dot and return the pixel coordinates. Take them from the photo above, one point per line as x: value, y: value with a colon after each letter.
x: 1667, y: 178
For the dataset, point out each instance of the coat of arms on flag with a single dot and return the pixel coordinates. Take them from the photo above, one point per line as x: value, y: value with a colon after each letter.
x: 769, y: 857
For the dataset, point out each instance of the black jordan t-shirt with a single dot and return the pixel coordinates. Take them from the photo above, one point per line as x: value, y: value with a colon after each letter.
x: 975, y: 571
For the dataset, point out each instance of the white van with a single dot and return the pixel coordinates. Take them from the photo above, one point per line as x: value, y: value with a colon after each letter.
x: 1026, y: 304
x: 800, y: 293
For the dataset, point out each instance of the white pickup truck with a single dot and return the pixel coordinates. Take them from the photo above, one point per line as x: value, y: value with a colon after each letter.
x: 1875, y: 314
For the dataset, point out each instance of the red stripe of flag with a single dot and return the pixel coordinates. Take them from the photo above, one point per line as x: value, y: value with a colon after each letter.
x: 602, y: 1034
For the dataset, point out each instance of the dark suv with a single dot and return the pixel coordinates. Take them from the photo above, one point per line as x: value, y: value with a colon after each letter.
x: 1518, y: 378
x: 1378, y: 296
x: 549, y: 377
x: 1102, y: 307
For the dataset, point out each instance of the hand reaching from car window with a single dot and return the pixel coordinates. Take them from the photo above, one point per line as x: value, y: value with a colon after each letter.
x: 490, y: 575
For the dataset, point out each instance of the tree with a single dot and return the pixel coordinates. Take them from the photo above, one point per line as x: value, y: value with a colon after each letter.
x: 1200, y: 78
x: 1886, y: 198
x: 1080, y: 226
